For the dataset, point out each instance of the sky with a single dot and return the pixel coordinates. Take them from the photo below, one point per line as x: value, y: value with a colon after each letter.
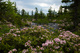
x: 30, y: 5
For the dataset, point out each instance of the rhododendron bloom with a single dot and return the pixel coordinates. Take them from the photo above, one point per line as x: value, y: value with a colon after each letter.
x: 57, y: 40
x: 29, y: 41
x: 31, y: 47
x: 45, y: 44
x: 14, y: 50
x: 7, y: 33
x: 10, y: 51
x: 14, y: 34
x: 42, y: 48
x: 17, y: 31
x: 24, y: 51
x: 49, y: 42
x: 56, y: 47
x: 62, y: 42
x: 27, y: 44
x: 79, y: 44
x: 0, y: 38
x: 34, y: 49
x: 60, y: 35
x: 40, y: 52
x: 18, y: 35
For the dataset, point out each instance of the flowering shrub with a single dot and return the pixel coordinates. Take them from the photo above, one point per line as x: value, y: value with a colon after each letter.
x: 37, y: 39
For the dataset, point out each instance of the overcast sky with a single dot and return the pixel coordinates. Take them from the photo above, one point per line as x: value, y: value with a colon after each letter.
x: 30, y: 5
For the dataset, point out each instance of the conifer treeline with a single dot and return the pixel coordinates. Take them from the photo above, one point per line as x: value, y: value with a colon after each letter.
x: 9, y: 12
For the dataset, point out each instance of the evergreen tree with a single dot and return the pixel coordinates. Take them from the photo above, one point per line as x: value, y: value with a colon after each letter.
x: 18, y: 12
x: 23, y: 12
x: 15, y: 8
x: 32, y: 13
x: 36, y: 13
x: 3, y: 9
x: 41, y: 14
x: 54, y: 13
x: 27, y: 14
x: 49, y: 13
x: 60, y: 10
x: 74, y: 8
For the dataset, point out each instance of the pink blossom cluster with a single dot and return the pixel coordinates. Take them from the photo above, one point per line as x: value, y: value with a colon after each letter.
x: 10, y: 25
x: 27, y: 43
x: 13, y: 50
x: 14, y: 34
x: 7, y: 33
x: 17, y: 32
x: 0, y: 38
x: 59, y: 40
x: 68, y: 35
x: 47, y: 43
x: 24, y: 51
x: 13, y: 30
x: 56, y: 47
x: 62, y: 42
x: 41, y: 48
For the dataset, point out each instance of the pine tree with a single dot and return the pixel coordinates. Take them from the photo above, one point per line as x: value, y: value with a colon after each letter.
x: 41, y: 14
x: 3, y: 9
x: 23, y: 12
x: 32, y: 13
x: 18, y: 12
x: 15, y: 8
x: 60, y: 10
x: 54, y: 13
x: 75, y: 4
x: 36, y: 13
x: 49, y: 13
